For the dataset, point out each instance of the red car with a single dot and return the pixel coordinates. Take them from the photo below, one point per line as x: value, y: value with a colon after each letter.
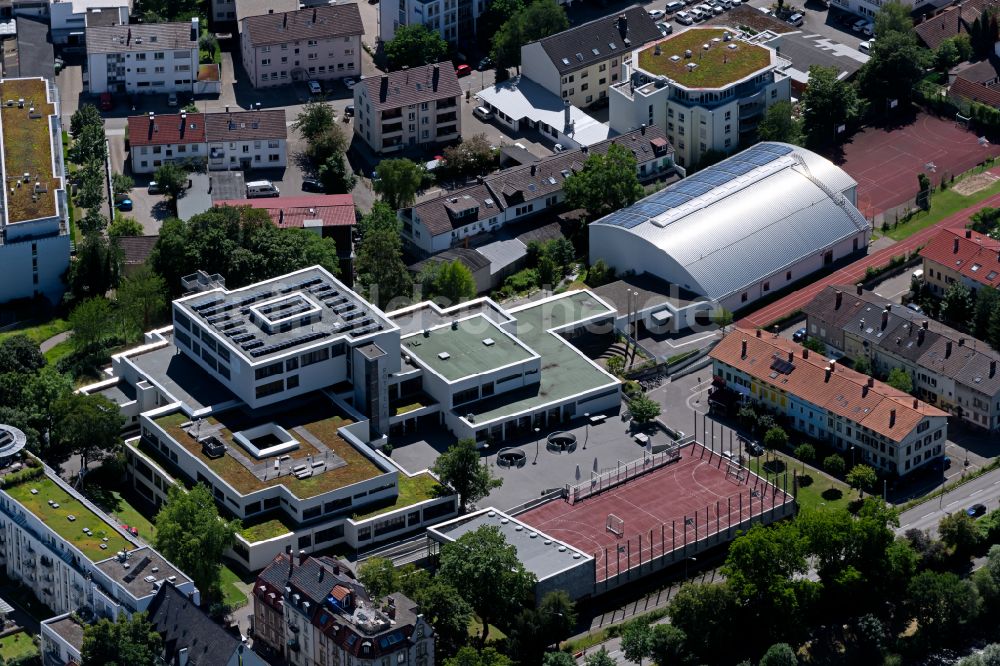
x: 463, y: 70
x: 106, y: 102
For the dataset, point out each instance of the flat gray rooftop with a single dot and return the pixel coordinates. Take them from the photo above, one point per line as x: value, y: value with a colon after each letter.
x: 143, y: 563
x: 181, y: 377
x: 652, y: 292
x: 294, y: 311
x: 541, y: 555
x: 476, y: 346
x: 426, y: 316
x: 120, y: 394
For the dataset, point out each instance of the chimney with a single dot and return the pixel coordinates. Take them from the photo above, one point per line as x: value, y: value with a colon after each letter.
x: 302, y: 557
x: 291, y: 560
x: 743, y: 351
x: 840, y: 299
x: 829, y: 370
x: 281, y: 216
x: 623, y: 25
x: 888, y: 306
x: 993, y: 368
x: 195, y: 29
x: 791, y: 356
x: 961, y: 342
x: 383, y: 87
x: 864, y: 391
x: 892, y: 417
x: 925, y: 324
x: 954, y: 245
x: 920, y: 336
x: 805, y: 352
x: 533, y: 169
x: 320, y: 574
x: 885, y: 319
x: 584, y: 149
x: 642, y: 129
x: 871, y: 382
x: 758, y: 332
x: 435, y: 75
x: 859, y: 288
x: 566, y: 108
x: 968, y: 233
x: 947, y: 349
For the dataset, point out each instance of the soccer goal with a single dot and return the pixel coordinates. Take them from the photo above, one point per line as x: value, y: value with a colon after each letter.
x: 615, y: 525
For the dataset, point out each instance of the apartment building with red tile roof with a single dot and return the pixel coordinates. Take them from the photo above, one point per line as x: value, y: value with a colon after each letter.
x: 961, y: 255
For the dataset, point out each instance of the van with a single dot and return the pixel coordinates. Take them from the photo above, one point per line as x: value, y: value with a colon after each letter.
x: 918, y: 275
x: 261, y: 188
x: 482, y: 113
x: 673, y: 6
x: 865, y: 47
x: 796, y: 19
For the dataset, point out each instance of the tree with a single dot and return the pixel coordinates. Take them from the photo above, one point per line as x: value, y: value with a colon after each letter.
x: 398, y: 182
x: 994, y: 328
x: 548, y: 272
x: 983, y: 33
x: 959, y: 531
x: 87, y: 425
x: 131, y: 641
x: 834, y: 464
x: 900, y: 380
x: 90, y: 193
x: 644, y: 409
x: 668, y: 646
x: 472, y: 157
x: 863, y: 478
x: 779, y: 125
x: 943, y: 605
x: 987, y: 300
x: 460, y: 468
x: 446, y: 610
x: 121, y: 183
x: 893, y: 17
x: 924, y: 191
x: 862, y: 365
x: 827, y: 103
x: 172, y: 179
x: 414, y: 45
x: 335, y: 176
x: 956, y: 306
x: 454, y: 282
x: 317, y: 124
x: 158, y: 11
x: 895, y: 65
x: 635, y: 640
x: 190, y: 533
x: 497, y: 13
x: 86, y: 114
x: 723, y: 318
x: 142, y: 299
x: 946, y: 56
x: 990, y: 656
x: 779, y: 654
x: 558, y: 659
x: 90, y: 147
x: 18, y: 354
x: 469, y: 656
x: 775, y: 438
x: 606, y: 183
x: 534, y: 630
x: 124, y: 226
x: 599, y: 274
x: 815, y: 344
x: 615, y: 365
x: 486, y: 570
x: 538, y: 19
x: 805, y: 452
x: 380, y: 266
x: 91, y: 322
x: 97, y: 267
x: 379, y: 576
x: 600, y: 658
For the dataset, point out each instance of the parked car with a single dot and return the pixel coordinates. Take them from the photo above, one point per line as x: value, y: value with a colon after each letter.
x: 656, y: 14
x: 796, y: 19
x: 482, y: 113
x: 349, y: 82
x: 673, y: 6
x: 485, y: 63
x: 715, y: 8
x: 314, y: 87
x: 172, y: 99
x: 153, y: 187
x: 312, y: 185
x: 799, y: 335
x: 349, y: 111
x: 866, y: 47
x: 125, y: 204
x: 558, y: 148
x: 684, y: 18
x: 868, y: 29
x: 463, y: 70
x: 764, y: 10
x: 976, y: 510
x: 705, y: 11
x: 664, y: 28
x: 859, y: 24
x: 916, y: 308
x: 107, y: 103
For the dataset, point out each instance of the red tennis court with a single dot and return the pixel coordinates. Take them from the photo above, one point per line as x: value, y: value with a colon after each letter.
x: 698, y: 496
x: 886, y: 162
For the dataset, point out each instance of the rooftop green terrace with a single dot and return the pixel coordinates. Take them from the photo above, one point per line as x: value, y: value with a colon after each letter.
x: 57, y: 516
x: 412, y: 489
x: 467, y: 349
x: 27, y: 149
x: 721, y: 64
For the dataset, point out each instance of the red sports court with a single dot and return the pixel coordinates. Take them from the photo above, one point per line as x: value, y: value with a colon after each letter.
x: 675, y: 509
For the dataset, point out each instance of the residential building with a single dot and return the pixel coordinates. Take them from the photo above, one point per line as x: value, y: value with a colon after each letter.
x: 314, y: 611
x: 955, y: 19
x: 409, y: 107
x: 277, y: 396
x: 961, y: 255
x: 190, y: 637
x: 227, y: 140
x: 320, y: 43
x: 71, y: 19
x: 870, y: 8
x: 581, y: 63
x: 707, y: 87
x: 454, y: 20
x: 697, y: 235
x: 517, y: 193
x: 34, y: 227
x: 142, y: 58
x: 882, y: 426
x: 948, y: 369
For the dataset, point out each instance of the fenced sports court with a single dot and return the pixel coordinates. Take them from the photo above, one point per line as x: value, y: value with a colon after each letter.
x: 661, y: 510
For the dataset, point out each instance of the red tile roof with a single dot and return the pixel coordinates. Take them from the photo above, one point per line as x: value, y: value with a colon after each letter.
x: 977, y: 92
x: 968, y: 252
x: 326, y: 22
x: 952, y: 21
x: 168, y: 129
x: 844, y: 392
x: 334, y: 210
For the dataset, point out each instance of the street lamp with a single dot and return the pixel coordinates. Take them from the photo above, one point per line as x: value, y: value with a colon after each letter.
x: 852, y: 456
x: 535, y: 461
x: 486, y: 448
x: 587, y: 435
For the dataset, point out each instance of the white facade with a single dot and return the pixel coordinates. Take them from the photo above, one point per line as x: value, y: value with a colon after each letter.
x: 165, y: 60
x: 69, y: 19
x: 454, y: 20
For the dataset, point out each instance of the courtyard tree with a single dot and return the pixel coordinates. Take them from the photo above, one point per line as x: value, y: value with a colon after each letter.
x: 957, y: 307
x: 414, y: 45
x: 124, y: 226
x: 488, y: 574
x: 317, y: 124
x: 775, y: 438
x: 530, y: 23
x: 644, y: 409
x: 398, y: 182
x: 172, y: 179
x: 379, y: 576
x: 92, y: 323
x: 862, y: 477
x: 191, y: 534
x: 899, y: 379
x: 335, y: 176
x: 606, y: 183
x: 86, y: 114
x: 805, y: 452
x: 131, y: 641
x: 779, y: 125
x: 461, y: 468
x: 380, y: 265
x: 834, y: 464
x: 142, y: 300
x: 448, y: 282
x: 122, y: 183
x: 88, y: 425
x: 827, y: 103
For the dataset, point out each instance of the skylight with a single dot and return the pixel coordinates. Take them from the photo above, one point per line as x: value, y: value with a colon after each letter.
x: 596, y: 52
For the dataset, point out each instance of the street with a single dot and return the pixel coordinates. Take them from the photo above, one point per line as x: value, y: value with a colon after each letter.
x: 982, y: 490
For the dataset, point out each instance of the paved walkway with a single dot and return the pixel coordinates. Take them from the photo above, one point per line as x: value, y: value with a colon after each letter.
x: 55, y: 340
x: 855, y: 272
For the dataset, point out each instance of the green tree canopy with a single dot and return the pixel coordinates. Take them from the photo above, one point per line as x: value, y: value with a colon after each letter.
x: 121, y: 183
x: 18, y: 354
x: 335, y: 175
x: 779, y: 654
x: 644, y: 409
x: 92, y: 323
x: 414, y: 45
x: 380, y: 266
x: 834, y: 464
x: 379, y: 576
x: 805, y: 452
x: 87, y: 425
x: 600, y: 658
x: 172, y: 179
x: 460, y: 467
x: 124, y: 226
x: 443, y: 606
x: 635, y: 640
x: 957, y: 306
x: 606, y: 183
x: 827, y: 103
x: 534, y: 21
x: 895, y: 65
x: 317, y: 124
x: 900, y: 379
x: 131, y: 641
x: 700, y: 611
x: 958, y: 530
x: 668, y: 646
x: 775, y: 438
x: 943, y: 605
x: 863, y: 478
x: 142, y: 300
x: 488, y: 573
x: 398, y: 182
x: 86, y: 114
x: 894, y: 16
x: 558, y: 659
x: 190, y: 533
x: 474, y: 156
x: 448, y: 282
x: 779, y: 125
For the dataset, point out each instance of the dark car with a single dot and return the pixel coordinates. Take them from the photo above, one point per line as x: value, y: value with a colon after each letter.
x: 485, y: 64
x: 125, y: 204
x: 976, y: 510
x: 312, y: 185
x: 799, y: 335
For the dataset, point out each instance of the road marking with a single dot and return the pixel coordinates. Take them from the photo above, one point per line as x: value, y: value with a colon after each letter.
x: 930, y: 513
x: 977, y: 492
x: 953, y: 503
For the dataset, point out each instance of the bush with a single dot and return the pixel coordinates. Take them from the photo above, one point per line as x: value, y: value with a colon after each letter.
x: 834, y: 464
x: 631, y: 388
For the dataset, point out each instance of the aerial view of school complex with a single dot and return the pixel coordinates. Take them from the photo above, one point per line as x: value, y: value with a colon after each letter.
x: 500, y: 332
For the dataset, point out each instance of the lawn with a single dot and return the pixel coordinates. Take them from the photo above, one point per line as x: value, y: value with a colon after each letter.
x: 16, y: 646
x: 60, y: 351
x: 39, y: 333
x: 232, y: 595
x: 413, y: 406
x: 816, y: 490
x: 943, y: 204
x: 264, y: 530
x: 717, y: 66
x: 27, y: 143
x: 412, y: 489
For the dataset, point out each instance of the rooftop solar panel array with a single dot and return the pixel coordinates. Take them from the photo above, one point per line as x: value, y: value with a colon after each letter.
x: 703, y: 182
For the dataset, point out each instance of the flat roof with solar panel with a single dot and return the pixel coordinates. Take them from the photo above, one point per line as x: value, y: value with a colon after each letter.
x: 291, y: 313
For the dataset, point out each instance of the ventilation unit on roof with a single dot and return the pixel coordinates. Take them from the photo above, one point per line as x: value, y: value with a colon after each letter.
x: 692, y: 66
x: 489, y: 342
x: 733, y: 47
x: 674, y: 58
x: 687, y: 53
x: 444, y: 356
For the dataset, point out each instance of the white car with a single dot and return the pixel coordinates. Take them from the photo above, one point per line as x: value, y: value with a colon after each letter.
x: 665, y: 28
x: 482, y: 113
x: 716, y: 9
x: 684, y: 18
x: 697, y: 14
x: 705, y: 10
x: 314, y: 87
x: 859, y: 24
x: 349, y: 82
x: 656, y: 14
x: 866, y: 47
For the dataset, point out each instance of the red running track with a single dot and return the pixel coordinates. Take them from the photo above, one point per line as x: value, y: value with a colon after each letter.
x: 654, y: 507
x: 854, y: 273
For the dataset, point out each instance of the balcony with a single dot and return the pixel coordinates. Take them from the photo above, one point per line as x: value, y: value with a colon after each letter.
x: 392, y: 114
x: 395, y: 128
x: 751, y: 110
x: 445, y: 118
x: 447, y: 130
x: 449, y: 103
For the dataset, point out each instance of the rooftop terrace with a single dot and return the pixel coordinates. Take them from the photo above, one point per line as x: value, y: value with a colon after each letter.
x: 313, y: 423
x: 565, y: 371
x: 721, y: 64
x: 69, y: 518
x: 476, y: 346
x: 27, y: 149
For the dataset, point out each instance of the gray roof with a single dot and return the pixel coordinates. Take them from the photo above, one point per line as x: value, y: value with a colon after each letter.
x: 806, y: 50
x: 34, y: 49
x: 326, y: 22
x: 183, y: 625
x: 739, y: 221
x: 412, y: 86
x: 143, y: 563
x: 598, y: 40
x: 140, y: 37
x: 652, y: 292
x: 472, y: 259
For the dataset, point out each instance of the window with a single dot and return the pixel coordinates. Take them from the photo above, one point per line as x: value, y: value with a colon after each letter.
x: 268, y: 371
x: 265, y: 390
x: 788, y: 275
x: 315, y: 356
x: 293, y: 382
x: 265, y: 62
x: 743, y: 297
x: 729, y: 115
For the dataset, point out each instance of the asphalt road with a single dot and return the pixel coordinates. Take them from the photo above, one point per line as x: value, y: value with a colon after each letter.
x: 984, y: 489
